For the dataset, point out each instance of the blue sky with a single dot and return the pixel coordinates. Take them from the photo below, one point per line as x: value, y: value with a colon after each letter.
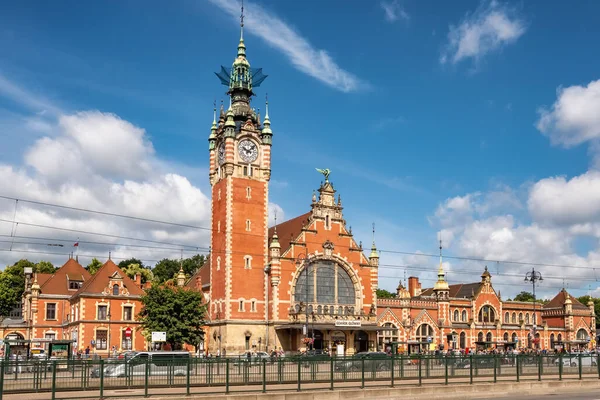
x: 428, y: 113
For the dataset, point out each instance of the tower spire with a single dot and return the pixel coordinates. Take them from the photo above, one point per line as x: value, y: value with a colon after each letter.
x: 441, y: 283
x: 373, y: 247
x: 242, y: 23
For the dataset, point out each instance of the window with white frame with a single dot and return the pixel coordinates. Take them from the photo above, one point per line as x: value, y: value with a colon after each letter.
x: 248, y: 262
x: 101, y: 339
x: 248, y: 225
x: 51, y: 311
x: 253, y: 306
x: 241, y: 305
x: 248, y: 192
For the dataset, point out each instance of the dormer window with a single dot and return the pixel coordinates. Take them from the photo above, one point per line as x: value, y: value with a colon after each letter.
x: 75, y: 285
x: 115, y: 290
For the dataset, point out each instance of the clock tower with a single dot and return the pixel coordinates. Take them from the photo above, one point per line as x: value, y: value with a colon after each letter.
x: 240, y: 169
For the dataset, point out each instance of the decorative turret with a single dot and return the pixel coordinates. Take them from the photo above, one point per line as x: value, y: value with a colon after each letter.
x: 486, y: 277
x: 441, y: 286
x: 374, y: 257
x: 267, y: 134
x: 241, y: 80
x: 212, y: 139
x: 180, y: 277
x: 401, y: 292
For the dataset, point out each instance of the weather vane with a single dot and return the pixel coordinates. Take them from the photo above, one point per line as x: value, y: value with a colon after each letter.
x: 326, y: 172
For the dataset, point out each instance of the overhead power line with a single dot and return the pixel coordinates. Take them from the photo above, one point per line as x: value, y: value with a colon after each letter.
x: 197, y: 248
x: 42, y: 203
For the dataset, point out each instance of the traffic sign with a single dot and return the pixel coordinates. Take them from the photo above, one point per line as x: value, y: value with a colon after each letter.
x: 128, y: 333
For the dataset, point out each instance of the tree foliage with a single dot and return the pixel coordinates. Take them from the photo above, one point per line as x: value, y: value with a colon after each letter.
x: 384, y: 294
x: 132, y: 269
x: 94, y: 266
x: 167, y: 268
x: 585, y: 299
x: 12, y: 282
x: 177, y: 311
x: 524, y: 296
x: 125, y: 263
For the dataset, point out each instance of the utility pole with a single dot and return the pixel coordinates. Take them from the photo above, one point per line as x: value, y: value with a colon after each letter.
x: 534, y: 276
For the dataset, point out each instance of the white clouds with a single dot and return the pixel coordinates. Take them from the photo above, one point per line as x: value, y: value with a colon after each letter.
x: 558, y: 201
x: 281, y: 36
x: 574, y: 118
x: 491, y: 27
x: 93, y: 142
x: 394, y: 11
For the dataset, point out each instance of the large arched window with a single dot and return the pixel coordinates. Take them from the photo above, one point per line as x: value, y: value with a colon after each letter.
x: 487, y: 314
x: 480, y: 337
x: 488, y: 337
x: 463, y: 340
x: 389, y: 335
x: 333, y: 284
x: 506, y: 318
x: 552, y: 341
x: 505, y: 337
x: 527, y: 318
x: 514, y: 318
x: 456, y: 316
x: 464, y: 316
x: 423, y: 332
x: 582, y: 334
x: 514, y: 337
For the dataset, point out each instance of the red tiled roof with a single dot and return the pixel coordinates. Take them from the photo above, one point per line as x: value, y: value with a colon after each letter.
x: 289, y: 230
x: 101, y: 278
x: 42, y: 278
x: 57, y: 283
x: 559, y: 301
x: 460, y: 290
x: 203, y: 272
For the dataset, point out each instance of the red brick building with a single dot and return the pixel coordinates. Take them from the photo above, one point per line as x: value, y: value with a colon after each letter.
x: 474, y: 316
x: 89, y: 310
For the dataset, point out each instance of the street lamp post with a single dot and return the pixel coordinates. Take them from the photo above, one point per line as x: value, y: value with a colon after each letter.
x: 534, y: 276
x: 302, y: 260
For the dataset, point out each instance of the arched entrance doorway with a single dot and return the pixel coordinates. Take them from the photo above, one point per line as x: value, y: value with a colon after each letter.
x: 361, y: 341
x: 318, y: 343
x: 337, y: 342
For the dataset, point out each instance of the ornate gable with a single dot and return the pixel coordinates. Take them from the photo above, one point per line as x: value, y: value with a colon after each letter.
x: 424, y: 318
x: 388, y: 316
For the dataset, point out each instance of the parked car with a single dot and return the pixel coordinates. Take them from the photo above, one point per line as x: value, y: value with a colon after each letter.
x: 159, y: 363
x: 372, y: 360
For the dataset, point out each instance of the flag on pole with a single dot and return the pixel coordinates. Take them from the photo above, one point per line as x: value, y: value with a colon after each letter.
x: 76, y: 244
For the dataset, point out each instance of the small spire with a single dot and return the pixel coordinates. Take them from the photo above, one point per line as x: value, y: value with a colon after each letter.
x: 441, y: 283
x: 267, y: 122
x: 374, y: 253
x: 275, y: 218
x: 242, y: 23
x: 214, y: 124
x: 339, y: 200
x: 109, y: 255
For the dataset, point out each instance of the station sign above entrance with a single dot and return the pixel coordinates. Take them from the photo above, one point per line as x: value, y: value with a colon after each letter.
x: 355, y: 324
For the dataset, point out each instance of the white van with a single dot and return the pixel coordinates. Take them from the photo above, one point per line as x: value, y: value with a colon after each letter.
x: 159, y: 363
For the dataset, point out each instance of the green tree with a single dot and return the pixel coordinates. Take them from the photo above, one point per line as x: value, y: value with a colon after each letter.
x: 45, y: 267
x: 165, y: 269
x: 524, y: 296
x: 177, y: 311
x: 585, y: 299
x: 192, y: 264
x: 132, y: 269
x: 12, y: 283
x: 11, y: 290
x: 384, y: 294
x: 94, y: 266
x: 125, y: 263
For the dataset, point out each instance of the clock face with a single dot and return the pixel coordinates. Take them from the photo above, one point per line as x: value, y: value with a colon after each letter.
x: 221, y: 154
x: 248, y: 151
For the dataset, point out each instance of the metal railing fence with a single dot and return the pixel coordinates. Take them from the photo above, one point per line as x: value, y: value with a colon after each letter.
x: 99, y: 378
